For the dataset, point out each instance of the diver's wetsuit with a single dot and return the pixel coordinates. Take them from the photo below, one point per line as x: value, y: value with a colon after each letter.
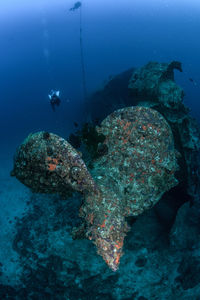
x: 55, y: 101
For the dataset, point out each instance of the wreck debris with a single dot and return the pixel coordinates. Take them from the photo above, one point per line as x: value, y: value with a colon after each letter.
x: 137, y: 167
x: 156, y: 81
x: 47, y: 163
x: 132, y: 176
x: 153, y: 86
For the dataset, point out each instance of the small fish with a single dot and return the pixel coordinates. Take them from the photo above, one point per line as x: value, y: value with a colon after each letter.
x: 76, y: 6
x: 75, y: 124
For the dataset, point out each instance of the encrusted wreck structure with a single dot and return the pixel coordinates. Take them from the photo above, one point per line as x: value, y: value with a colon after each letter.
x: 147, y: 149
x: 153, y: 86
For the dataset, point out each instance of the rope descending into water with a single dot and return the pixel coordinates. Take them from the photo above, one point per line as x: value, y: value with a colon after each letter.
x: 82, y: 59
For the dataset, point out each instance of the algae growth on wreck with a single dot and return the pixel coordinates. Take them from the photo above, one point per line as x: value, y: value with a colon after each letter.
x: 100, y: 180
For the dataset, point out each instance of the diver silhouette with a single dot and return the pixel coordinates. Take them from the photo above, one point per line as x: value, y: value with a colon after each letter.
x: 54, y: 98
x: 76, y: 6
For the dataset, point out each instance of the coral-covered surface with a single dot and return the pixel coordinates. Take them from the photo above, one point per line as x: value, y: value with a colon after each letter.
x: 156, y: 82
x: 153, y: 85
x: 47, y: 163
x: 39, y: 259
x: 132, y: 176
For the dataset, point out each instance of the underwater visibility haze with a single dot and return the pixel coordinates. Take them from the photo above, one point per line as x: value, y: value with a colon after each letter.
x: 100, y: 139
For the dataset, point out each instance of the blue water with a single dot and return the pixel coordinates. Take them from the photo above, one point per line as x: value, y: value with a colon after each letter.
x: 40, y: 51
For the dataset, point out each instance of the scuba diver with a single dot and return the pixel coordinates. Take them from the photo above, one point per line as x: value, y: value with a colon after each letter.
x: 54, y: 98
x: 76, y: 6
